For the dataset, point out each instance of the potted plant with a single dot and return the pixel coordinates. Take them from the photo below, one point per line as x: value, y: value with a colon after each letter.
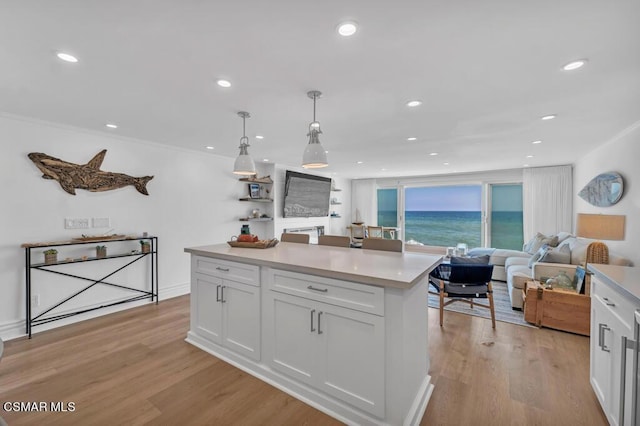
x: 145, y: 247
x: 101, y: 252
x: 50, y: 256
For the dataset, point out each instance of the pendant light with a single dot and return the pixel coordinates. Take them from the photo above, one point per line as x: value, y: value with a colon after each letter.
x: 314, y: 156
x: 244, y: 163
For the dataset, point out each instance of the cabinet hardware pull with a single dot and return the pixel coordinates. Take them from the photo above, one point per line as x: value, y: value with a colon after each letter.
x: 222, y: 294
x: 603, y: 328
x: 608, y: 302
x: 222, y: 269
x: 218, y: 293
x: 313, y: 311
x: 323, y: 290
x: 319, y: 314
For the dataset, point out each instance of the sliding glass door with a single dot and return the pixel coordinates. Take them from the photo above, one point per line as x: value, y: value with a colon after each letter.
x: 475, y: 214
x: 443, y: 215
x: 505, y: 218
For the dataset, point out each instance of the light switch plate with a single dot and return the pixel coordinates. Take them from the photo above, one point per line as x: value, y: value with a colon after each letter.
x: 76, y: 223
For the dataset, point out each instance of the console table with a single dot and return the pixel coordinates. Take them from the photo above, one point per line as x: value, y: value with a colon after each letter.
x: 136, y: 256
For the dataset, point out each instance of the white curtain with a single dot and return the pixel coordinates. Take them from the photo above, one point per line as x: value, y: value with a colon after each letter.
x: 364, y: 201
x: 547, y: 194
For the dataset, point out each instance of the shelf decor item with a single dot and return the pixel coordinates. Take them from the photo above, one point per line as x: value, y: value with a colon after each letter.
x: 50, y: 256
x: 145, y: 247
x: 101, y: 252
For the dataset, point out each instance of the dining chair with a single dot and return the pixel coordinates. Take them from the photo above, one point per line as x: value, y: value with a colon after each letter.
x: 287, y: 237
x: 382, y: 244
x: 463, y: 283
x: 357, y: 235
x: 374, y: 232
x: 334, y: 240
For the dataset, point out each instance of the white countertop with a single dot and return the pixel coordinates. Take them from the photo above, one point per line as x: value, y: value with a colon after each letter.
x: 624, y: 279
x: 381, y: 268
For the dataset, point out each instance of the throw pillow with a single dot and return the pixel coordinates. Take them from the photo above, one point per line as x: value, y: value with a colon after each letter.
x: 538, y: 254
x: 478, y: 260
x: 560, y: 254
x: 538, y: 241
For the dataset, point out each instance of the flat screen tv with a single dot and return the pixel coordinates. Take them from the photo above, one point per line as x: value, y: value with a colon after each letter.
x: 306, y: 195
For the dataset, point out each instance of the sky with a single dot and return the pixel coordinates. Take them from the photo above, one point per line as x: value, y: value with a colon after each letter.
x: 444, y: 198
x: 453, y: 198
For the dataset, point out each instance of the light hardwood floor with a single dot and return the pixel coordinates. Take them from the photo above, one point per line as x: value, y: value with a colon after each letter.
x: 134, y: 367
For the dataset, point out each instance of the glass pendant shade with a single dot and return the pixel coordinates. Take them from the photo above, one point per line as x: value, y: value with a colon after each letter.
x: 314, y: 156
x: 244, y: 164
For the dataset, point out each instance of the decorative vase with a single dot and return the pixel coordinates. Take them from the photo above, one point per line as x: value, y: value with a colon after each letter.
x: 50, y: 258
x: 145, y: 248
x: 101, y: 252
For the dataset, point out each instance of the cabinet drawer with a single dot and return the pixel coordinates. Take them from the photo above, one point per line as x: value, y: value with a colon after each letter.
x: 622, y: 307
x: 361, y: 297
x: 239, y: 272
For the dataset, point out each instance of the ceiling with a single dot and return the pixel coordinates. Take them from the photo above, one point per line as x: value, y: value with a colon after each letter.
x: 486, y: 72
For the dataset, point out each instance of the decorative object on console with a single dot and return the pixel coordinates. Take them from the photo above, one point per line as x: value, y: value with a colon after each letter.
x: 244, y: 164
x: 603, y: 190
x: 50, y: 256
x: 314, y: 156
x: 85, y: 176
x: 101, y: 252
x: 145, y: 247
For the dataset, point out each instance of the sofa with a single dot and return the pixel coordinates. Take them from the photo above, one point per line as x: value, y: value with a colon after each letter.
x: 541, y: 257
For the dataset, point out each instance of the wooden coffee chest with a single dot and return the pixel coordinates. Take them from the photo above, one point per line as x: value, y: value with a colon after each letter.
x: 557, y: 309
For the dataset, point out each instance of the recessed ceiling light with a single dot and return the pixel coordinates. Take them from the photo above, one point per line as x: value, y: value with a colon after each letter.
x: 224, y: 83
x: 574, y: 65
x: 111, y: 125
x: 259, y: 137
x: 446, y: 164
x: 433, y: 153
x: 536, y: 142
x: 529, y: 156
x: 525, y: 165
x: 266, y: 160
x: 412, y: 104
x: 384, y: 170
x: 411, y: 138
x: 67, y: 57
x: 359, y: 162
x: 209, y: 147
x: 548, y: 117
x: 347, y: 29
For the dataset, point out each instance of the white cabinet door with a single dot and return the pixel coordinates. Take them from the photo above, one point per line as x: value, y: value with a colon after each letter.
x: 206, y: 312
x: 336, y: 350
x: 241, y: 318
x: 294, y: 337
x: 352, y: 357
x: 609, y: 325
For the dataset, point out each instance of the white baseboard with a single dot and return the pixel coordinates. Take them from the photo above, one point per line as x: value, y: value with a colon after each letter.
x: 174, y: 291
x: 16, y: 328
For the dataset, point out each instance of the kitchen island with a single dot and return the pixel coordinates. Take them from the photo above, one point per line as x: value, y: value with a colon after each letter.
x: 344, y: 330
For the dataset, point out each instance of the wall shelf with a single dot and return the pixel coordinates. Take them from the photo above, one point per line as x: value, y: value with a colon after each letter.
x: 255, y: 219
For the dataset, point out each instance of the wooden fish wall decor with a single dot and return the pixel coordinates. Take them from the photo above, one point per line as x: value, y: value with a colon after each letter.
x: 88, y: 176
x: 603, y: 190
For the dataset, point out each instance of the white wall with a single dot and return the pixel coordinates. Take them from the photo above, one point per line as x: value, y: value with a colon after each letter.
x: 192, y: 201
x: 622, y: 155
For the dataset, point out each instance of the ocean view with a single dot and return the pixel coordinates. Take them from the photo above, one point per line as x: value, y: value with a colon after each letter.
x: 448, y: 228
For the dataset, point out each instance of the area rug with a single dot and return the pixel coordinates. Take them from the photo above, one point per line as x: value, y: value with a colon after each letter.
x: 501, y: 301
